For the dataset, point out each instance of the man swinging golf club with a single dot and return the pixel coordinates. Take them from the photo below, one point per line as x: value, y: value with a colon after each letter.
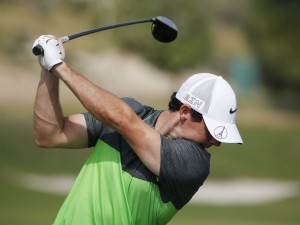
x: 146, y: 164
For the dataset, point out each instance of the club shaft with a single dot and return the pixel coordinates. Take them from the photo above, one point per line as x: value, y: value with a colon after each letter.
x: 38, y: 50
x: 83, y: 33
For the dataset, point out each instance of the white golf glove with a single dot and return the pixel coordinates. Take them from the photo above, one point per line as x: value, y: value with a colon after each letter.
x: 52, y: 55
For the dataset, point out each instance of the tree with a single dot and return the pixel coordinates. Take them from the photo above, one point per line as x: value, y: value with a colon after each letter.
x: 273, y: 29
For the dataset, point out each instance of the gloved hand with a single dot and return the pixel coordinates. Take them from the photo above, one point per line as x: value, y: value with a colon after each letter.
x: 53, y: 52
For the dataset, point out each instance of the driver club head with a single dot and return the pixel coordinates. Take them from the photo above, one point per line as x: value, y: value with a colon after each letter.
x: 163, y: 29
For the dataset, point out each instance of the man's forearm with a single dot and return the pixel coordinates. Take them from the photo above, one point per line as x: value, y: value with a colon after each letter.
x: 48, y: 116
x: 104, y: 105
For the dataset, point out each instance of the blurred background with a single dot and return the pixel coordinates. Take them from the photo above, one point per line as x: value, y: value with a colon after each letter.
x: 253, y: 44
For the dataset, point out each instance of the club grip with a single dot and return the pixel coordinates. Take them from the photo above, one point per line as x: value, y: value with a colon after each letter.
x: 37, y: 50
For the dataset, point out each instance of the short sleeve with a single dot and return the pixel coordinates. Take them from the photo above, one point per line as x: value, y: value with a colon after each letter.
x: 94, y: 128
x: 185, y: 166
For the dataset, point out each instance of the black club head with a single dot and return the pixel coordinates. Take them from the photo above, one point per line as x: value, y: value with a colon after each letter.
x: 163, y: 29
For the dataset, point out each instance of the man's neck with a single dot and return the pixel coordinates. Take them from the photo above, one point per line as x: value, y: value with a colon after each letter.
x: 166, y: 123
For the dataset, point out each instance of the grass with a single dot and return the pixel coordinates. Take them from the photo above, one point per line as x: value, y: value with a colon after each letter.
x: 20, y: 153
x: 267, y: 153
x: 20, y: 206
x: 277, y: 213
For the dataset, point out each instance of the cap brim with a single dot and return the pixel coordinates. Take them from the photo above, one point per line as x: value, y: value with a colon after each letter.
x: 223, y: 132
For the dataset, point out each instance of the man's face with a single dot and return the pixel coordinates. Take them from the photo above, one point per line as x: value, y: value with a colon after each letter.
x: 196, y: 130
x: 210, y: 140
x: 200, y: 134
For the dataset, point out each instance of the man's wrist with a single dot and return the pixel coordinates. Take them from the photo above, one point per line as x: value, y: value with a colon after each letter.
x: 48, y: 78
x: 55, y: 66
x: 59, y: 69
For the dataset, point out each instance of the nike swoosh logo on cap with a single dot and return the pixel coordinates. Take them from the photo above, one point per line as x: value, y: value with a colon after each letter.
x: 232, y: 111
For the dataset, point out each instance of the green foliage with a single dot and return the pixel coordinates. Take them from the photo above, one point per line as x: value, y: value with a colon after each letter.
x: 192, y: 46
x: 210, y: 34
x: 190, y: 49
x: 274, y: 34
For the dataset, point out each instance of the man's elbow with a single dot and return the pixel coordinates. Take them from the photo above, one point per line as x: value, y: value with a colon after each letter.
x: 43, y: 141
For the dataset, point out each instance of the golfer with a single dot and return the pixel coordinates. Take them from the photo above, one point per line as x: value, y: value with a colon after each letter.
x: 146, y: 164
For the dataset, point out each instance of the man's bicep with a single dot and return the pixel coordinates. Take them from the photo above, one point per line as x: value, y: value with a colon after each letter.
x: 145, y: 141
x: 74, y: 133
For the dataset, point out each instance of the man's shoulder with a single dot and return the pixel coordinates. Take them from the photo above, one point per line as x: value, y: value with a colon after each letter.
x: 185, y: 165
x: 139, y: 108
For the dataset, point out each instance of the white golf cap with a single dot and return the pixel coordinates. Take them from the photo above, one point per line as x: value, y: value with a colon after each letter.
x: 214, y: 98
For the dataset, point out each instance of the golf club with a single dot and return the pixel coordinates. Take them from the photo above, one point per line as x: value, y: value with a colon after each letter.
x: 163, y: 30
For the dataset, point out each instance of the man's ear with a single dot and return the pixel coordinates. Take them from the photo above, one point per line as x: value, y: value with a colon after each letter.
x: 185, y: 112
